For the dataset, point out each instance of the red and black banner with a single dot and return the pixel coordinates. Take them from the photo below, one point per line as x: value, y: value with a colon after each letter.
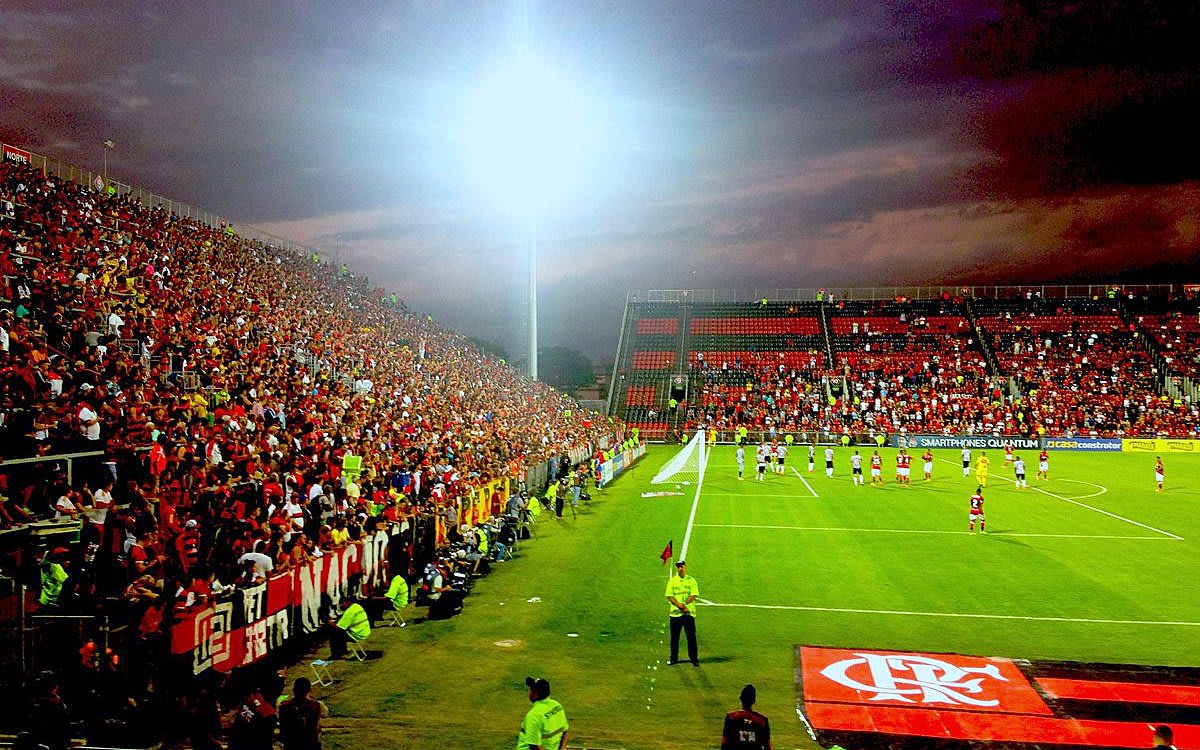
x: 243, y: 628
x: 891, y: 699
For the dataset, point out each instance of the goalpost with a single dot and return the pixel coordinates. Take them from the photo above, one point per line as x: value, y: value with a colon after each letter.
x: 686, y: 466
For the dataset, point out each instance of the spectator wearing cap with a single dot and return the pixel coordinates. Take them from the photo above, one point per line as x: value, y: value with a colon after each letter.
x: 53, y: 577
x: 746, y: 729
x: 682, y: 591
x: 89, y: 419
x: 545, y: 725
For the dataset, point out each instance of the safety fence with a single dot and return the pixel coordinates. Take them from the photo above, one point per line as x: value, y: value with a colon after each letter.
x: 883, y: 293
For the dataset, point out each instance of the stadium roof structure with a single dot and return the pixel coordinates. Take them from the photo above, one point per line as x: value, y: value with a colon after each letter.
x: 807, y: 294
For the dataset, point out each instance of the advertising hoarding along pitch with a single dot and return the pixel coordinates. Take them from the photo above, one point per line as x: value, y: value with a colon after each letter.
x: 1160, y: 445
x: 958, y: 441
x: 1101, y: 445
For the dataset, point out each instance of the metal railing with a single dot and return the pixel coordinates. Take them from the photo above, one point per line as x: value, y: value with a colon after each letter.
x: 882, y: 293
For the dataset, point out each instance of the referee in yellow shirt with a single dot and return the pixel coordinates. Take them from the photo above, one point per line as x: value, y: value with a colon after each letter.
x: 981, y: 469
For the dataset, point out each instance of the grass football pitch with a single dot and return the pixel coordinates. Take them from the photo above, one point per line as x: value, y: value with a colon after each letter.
x: 1092, y: 565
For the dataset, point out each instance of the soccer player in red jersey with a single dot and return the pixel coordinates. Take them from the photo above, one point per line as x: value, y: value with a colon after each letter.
x: 905, y: 467
x: 1158, y: 472
x: 928, y: 459
x: 1008, y: 455
x: 746, y: 729
x: 977, y: 510
x: 1043, y: 465
x: 876, y: 469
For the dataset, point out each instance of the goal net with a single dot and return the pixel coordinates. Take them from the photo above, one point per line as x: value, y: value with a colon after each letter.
x: 686, y: 466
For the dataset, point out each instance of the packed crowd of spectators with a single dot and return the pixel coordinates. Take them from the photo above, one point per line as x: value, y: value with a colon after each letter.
x: 1026, y: 366
x: 224, y: 384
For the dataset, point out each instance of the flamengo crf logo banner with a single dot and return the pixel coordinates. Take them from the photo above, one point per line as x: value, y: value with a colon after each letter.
x: 245, y: 626
x: 882, y: 699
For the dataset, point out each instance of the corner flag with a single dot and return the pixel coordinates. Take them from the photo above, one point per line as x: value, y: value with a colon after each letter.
x: 668, y: 552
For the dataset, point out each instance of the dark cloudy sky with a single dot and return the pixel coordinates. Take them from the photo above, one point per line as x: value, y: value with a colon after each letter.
x: 729, y: 144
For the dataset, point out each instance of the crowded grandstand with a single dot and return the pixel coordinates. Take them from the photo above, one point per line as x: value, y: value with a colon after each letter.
x: 1104, y: 361
x: 214, y: 445
x: 187, y: 413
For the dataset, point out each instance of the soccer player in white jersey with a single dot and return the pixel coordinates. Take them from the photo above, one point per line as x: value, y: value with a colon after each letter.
x: 812, y: 457
x: 1019, y: 470
x: 856, y: 469
x: 829, y: 462
x: 966, y: 458
x: 780, y: 457
x: 741, y: 462
x: 760, y: 461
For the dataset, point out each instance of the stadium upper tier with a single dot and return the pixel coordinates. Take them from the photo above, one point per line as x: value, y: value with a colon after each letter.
x: 1120, y: 361
x: 125, y: 326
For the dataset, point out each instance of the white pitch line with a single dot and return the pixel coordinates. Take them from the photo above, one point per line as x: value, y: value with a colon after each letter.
x: 687, y: 535
x: 806, y: 484
x: 908, y: 613
x: 1089, y: 507
x: 928, y: 531
x: 756, y: 496
x: 1102, y: 488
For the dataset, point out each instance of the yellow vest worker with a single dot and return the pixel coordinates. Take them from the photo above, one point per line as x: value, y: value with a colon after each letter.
x: 355, y: 622
x: 397, y: 593
x: 54, y: 575
x: 682, y: 592
x: 545, y: 725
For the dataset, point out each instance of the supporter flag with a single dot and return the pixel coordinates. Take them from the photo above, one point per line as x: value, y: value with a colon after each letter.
x: 668, y: 552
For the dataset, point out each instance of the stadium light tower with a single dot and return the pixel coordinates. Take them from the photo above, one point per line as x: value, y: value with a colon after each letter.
x: 108, y: 144
x: 527, y: 126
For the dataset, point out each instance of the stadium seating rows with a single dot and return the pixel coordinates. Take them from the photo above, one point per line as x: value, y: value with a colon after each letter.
x: 1029, y: 366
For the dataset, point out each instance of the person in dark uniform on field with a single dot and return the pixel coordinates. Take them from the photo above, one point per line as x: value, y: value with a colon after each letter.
x: 682, y: 591
x: 746, y: 729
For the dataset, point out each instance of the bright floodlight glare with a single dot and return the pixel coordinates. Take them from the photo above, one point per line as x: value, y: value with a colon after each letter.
x: 526, y: 131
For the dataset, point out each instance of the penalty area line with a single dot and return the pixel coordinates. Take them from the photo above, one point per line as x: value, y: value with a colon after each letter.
x: 964, y: 615
x: 1089, y: 507
x: 806, y: 484
x: 932, y: 531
